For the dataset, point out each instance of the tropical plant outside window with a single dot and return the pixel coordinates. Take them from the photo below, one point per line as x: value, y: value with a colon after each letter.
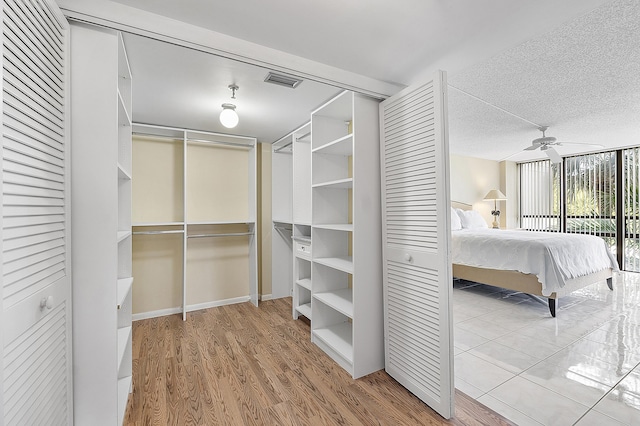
x: 579, y: 195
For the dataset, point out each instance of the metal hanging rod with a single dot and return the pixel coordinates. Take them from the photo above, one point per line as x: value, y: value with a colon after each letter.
x: 236, y: 145
x: 230, y: 234
x: 175, y: 231
x: 280, y: 148
x: 303, y: 136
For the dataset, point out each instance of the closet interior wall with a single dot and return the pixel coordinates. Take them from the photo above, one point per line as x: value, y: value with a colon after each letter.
x: 194, y: 220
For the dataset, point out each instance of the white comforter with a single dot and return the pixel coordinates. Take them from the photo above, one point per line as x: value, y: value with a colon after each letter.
x: 552, y: 257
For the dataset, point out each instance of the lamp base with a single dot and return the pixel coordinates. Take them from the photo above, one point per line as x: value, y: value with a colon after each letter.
x: 495, y: 224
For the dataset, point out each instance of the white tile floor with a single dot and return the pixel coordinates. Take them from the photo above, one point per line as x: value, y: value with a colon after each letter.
x: 580, y: 368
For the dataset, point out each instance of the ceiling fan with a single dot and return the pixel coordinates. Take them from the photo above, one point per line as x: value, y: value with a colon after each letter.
x: 546, y: 144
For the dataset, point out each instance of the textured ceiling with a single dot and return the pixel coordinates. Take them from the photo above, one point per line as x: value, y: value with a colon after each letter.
x: 582, y: 79
x: 392, y: 41
x: 576, y: 72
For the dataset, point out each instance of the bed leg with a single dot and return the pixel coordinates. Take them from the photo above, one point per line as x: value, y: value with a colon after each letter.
x: 552, y: 307
x: 610, y: 283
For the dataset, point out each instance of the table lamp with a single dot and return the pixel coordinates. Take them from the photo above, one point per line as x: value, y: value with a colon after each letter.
x: 495, y: 195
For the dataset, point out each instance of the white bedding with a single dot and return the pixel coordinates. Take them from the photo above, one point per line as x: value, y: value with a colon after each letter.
x: 552, y: 257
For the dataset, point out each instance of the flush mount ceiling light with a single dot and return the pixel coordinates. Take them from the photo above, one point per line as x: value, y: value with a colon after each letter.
x: 229, y: 116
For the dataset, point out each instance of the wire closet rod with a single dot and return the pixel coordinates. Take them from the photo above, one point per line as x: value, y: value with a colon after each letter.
x: 303, y: 136
x: 280, y: 148
x: 176, y: 231
x: 230, y: 234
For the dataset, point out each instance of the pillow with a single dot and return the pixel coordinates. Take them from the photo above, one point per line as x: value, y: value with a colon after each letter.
x: 455, y: 220
x: 471, y: 219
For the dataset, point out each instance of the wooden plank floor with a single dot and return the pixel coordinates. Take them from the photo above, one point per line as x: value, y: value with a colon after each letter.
x: 242, y: 365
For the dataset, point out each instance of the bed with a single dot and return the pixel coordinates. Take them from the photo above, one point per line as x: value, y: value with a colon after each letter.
x: 549, y: 265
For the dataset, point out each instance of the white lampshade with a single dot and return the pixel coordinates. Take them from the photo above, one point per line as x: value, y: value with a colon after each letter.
x: 494, y: 194
x: 229, y: 116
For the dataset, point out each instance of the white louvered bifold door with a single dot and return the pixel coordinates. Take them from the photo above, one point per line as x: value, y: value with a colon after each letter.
x: 35, y: 315
x: 416, y: 224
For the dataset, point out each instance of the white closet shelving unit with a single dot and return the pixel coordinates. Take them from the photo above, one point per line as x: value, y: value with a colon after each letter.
x: 346, y: 269
x: 291, y: 213
x: 301, y: 212
x: 197, y: 226
x: 101, y: 226
x: 281, y: 215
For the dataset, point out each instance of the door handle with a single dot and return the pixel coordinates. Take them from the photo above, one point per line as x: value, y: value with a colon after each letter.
x: 408, y: 258
x: 46, y: 302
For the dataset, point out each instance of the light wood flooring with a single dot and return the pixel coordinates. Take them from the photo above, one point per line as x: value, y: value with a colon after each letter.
x: 242, y: 365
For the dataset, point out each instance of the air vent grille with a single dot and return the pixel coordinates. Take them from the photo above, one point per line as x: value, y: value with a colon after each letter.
x: 283, y: 80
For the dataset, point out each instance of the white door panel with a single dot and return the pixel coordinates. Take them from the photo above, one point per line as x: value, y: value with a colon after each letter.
x: 35, y: 308
x: 416, y: 235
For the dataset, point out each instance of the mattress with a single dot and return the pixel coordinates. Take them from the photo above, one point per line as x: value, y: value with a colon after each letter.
x: 553, y: 257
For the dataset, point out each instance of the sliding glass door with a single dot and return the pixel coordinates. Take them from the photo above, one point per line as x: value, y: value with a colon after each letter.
x: 587, y: 194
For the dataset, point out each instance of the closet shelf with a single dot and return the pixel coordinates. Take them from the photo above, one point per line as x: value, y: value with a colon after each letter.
x: 340, y: 300
x: 348, y: 227
x: 344, y: 264
x: 346, y: 183
x: 123, y: 290
x: 141, y: 224
x: 124, y: 384
x: 122, y: 173
x: 124, y: 119
x: 338, y: 337
x: 122, y: 235
x: 305, y: 239
x: 283, y: 221
x: 305, y: 283
x: 341, y: 146
x: 124, y: 334
x: 242, y: 222
x: 304, y: 310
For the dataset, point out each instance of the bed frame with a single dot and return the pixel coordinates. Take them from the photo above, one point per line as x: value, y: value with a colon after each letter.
x: 526, y: 283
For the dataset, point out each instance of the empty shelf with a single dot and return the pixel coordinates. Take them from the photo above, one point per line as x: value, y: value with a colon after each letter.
x: 340, y: 300
x: 122, y: 173
x: 338, y: 337
x: 123, y: 338
x: 336, y: 226
x: 345, y: 183
x: 305, y: 310
x: 124, y: 385
x: 123, y: 235
x: 341, y: 146
x: 344, y: 264
x: 304, y: 282
x: 158, y: 224
x: 124, y: 288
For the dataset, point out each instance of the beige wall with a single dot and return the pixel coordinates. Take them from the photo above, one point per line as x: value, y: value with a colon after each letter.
x: 217, y: 190
x: 471, y: 179
x: 264, y: 215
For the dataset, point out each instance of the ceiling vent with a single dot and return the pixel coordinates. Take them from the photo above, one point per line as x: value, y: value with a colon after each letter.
x: 283, y: 80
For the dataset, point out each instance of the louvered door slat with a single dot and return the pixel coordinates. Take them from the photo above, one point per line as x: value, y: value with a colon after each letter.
x: 42, y: 119
x: 39, y: 33
x: 35, y: 321
x: 40, y: 57
x: 416, y: 264
x: 15, y: 84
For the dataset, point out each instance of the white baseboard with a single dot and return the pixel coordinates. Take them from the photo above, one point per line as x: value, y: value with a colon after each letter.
x: 155, y: 314
x: 216, y: 303
x: 265, y: 297
x: 178, y: 310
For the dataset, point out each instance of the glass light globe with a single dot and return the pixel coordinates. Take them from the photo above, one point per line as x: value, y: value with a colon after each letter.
x: 228, y: 116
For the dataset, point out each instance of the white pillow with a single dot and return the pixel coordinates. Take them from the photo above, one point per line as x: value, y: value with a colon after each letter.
x: 471, y: 219
x: 455, y: 220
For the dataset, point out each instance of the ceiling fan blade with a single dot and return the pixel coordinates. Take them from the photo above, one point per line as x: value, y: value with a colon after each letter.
x: 532, y: 147
x: 581, y: 143
x: 553, y: 155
